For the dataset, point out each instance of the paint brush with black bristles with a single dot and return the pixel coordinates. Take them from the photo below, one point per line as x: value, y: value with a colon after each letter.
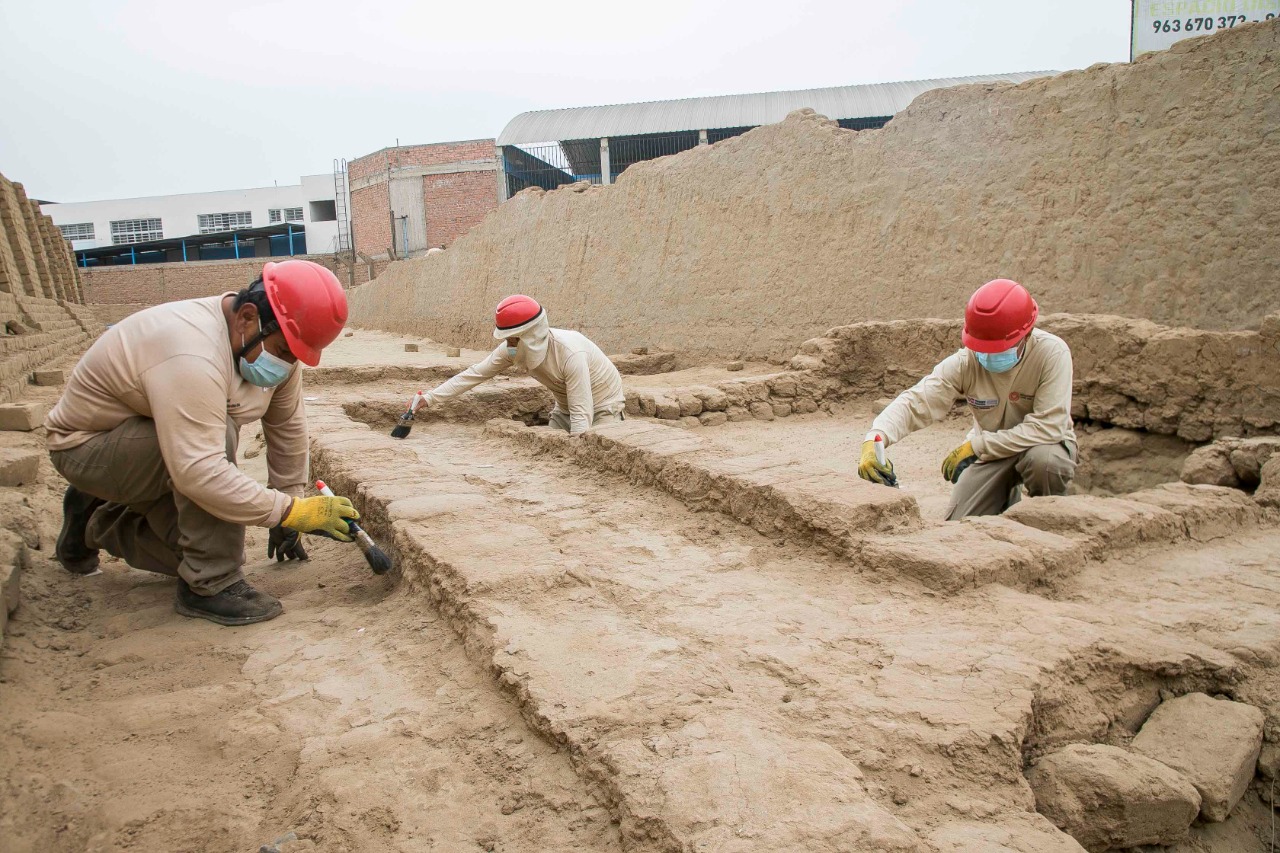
x: 373, y: 555
x: 401, y: 430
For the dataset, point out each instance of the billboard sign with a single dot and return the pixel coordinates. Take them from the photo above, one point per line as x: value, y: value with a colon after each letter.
x: 1159, y: 24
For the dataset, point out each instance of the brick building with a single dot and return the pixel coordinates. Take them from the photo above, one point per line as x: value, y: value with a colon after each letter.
x: 407, y: 199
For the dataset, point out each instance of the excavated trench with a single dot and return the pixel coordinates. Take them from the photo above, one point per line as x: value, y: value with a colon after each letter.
x: 729, y: 633
x: 624, y: 585
x: 1113, y: 461
x: 651, y: 638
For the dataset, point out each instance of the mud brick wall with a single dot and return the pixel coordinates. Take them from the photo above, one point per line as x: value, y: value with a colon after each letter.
x: 1141, y: 190
x: 1135, y: 374
x: 42, y: 318
x: 152, y: 284
x: 454, y: 201
x: 34, y: 258
x: 135, y: 287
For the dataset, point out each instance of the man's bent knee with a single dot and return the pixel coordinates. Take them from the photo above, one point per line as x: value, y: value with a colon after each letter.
x: 1046, y: 469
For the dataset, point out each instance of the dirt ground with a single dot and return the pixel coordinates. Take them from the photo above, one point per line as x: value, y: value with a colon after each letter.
x: 370, y: 347
x: 433, y: 710
x: 354, y: 720
x: 834, y: 440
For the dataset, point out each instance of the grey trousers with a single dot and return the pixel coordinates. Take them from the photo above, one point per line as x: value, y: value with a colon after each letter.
x: 560, y: 420
x: 989, y: 488
x: 144, y: 521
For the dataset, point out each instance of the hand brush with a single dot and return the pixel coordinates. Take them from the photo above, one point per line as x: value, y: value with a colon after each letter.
x: 890, y: 479
x: 401, y: 430
x: 373, y: 555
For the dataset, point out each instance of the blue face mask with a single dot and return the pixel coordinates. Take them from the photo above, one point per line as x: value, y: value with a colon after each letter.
x: 998, y: 362
x: 265, y: 371
x: 511, y: 351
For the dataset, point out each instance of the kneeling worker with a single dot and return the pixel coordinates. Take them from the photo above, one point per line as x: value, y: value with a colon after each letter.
x: 147, y: 429
x: 585, y: 384
x: 1017, y: 381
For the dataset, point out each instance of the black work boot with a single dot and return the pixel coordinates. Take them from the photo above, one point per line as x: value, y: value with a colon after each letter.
x: 72, y: 550
x: 238, y: 604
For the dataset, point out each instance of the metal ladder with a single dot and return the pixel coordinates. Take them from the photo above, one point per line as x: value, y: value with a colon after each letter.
x: 342, y: 204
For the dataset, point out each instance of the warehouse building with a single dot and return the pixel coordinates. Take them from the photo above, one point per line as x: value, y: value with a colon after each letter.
x: 547, y: 148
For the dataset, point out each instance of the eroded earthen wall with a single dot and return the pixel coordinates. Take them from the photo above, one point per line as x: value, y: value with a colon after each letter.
x: 34, y: 258
x: 1136, y: 374
x: 42, y: 317
x: 1147, y: 190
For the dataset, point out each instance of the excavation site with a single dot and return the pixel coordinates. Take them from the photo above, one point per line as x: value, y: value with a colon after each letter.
x: 696, y: 625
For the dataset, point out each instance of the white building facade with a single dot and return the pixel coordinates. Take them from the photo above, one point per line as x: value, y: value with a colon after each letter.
x: 311, y: 203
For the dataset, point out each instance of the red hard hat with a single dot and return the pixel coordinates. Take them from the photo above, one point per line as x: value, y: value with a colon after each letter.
x: 514, y: 315
x: 309, y: 305
x: 999, y: 315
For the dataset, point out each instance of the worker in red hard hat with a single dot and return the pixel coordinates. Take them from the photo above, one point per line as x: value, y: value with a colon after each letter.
x: 147, y: 429
x: 586, y: 386
x: 1017, y: 381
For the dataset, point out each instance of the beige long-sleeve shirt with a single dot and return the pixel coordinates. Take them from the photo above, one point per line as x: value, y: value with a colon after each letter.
x: 578, y: 374
x: 173, y: 363
x: 1013, y: 411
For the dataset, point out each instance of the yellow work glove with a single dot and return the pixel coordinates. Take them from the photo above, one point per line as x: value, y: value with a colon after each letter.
x: 871, y: 470
x: 322, y: 515
x: 957, y: 460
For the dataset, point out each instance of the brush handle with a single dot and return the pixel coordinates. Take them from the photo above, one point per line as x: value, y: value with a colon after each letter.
x: 373, y: 555
x: 878, y: 443
x: 328, y: 493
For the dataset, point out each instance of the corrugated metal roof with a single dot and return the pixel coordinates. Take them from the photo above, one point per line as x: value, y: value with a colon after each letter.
x: 837, y: 102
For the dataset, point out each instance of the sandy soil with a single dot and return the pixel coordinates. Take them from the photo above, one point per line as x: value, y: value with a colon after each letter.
x: 702, y: 375
x: 834, y: 441
x: 354, y: 720
x: 612, y: 607
x: 369, y: 347
x: 374, y: 716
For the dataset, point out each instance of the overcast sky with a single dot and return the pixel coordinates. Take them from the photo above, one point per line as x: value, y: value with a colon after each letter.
x: 102, y: 99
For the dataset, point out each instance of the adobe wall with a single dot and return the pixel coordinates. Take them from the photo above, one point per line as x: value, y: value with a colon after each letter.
x: 1192, y: 383
x: 42, y: 317
x: 117, y: 291
x: 1148, y: 190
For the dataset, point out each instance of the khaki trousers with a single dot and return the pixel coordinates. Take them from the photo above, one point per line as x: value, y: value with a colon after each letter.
x: 560, y: 420
x: 989, y: 488
x: 144, y: 521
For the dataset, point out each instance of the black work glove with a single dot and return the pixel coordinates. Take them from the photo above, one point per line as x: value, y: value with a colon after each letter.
x: 285, y: 544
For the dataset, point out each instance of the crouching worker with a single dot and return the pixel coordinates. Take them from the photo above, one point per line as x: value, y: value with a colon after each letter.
x: 147, y: 428
x: 1017, y: 381
x: 585, y: 384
